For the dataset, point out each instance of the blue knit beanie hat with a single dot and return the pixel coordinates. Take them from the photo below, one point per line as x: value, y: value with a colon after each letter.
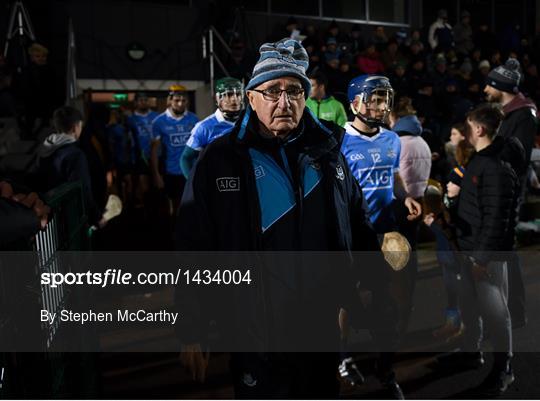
x: 285, y: 58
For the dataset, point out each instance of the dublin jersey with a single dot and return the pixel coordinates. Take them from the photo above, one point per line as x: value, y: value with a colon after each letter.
x: 173, y: 132
x: 205, y: 131
x: 373, y: 162
x: 140, y: 126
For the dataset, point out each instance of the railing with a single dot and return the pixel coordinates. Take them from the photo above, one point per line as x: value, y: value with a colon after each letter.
x: 29, y: 374
x: 209, y: 53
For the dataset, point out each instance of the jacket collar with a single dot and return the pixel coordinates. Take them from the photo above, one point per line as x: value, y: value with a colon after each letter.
x: 312, y: 135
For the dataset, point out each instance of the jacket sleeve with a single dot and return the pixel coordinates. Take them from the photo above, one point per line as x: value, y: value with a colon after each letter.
x: 194, y: 232
x: 341, y: 115
x: 76, y: 169
x: 17, y: 222
x: 496, y: 196
x: 526, y: 133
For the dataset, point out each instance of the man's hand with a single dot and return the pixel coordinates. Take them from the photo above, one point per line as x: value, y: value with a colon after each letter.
x: 452, y: 190
x: 33, y: 202
x: 415, y: 209
x: 195, y: 361
x: 6, y: 190
x: 429, y: 219
x: 479, y: 272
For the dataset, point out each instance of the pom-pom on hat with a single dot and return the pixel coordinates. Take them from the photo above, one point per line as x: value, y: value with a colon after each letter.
x: 506, y: 77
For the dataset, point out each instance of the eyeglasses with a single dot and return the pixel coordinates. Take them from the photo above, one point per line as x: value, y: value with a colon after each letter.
x: 273, y: 95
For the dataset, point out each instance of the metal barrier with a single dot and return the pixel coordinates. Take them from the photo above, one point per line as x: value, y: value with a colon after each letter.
x: 45, y: 374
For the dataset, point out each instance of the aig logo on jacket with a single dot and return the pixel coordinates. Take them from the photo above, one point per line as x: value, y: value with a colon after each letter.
x: 228, y: 184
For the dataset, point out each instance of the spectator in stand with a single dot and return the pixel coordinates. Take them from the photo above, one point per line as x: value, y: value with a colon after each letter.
x: 400, y: 80
x: 439, y: 75
x: 391, y: 55
x: 379, y: 38
x: 335, y: 32
x: 463, y: 35
x: 440, y: 34
x: 485, y: 40
x: 347, y: 72
x: 424, y: 103
x: 369, y: 61
x: 315, y: 61
x: 495, y: 59
x: 453, y: 107
x: 291, y: 28
x: 332, y: 51
x: 464, y: 75
x: 312, y: 39
x: 323, y: 106
x: 416, y: 75
x: 355, y: 41
x: 333, y: 74
x: 416, y: 36
x: 416, y: 51
x: 240, y: 61
x: 457, y: 135
x: 480, y: 75
x: 476, y: 57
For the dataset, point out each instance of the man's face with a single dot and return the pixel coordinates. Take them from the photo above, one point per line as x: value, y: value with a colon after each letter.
x: 317, y: 90
x: 280, y: 116
x: 178, y: 104
x: 77, y: 129
x: 493, y: 95
x: 376, y: 106
x: 39, y: 58
x: 142, y: 104
x: 473, y: 132
x: 229, y: 101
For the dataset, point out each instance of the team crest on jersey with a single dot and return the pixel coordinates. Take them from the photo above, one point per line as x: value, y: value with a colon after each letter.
x: 391, y: 154
x: 228, y: 184
x: 340, y: 174
x: 259, y: 172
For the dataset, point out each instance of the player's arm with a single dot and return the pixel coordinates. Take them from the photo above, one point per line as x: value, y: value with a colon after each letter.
x: 154, y: 159
x: 400, y: 192
x: 188, y: 159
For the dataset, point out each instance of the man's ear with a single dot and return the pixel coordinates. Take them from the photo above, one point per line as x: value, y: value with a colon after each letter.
x: 251, y: 99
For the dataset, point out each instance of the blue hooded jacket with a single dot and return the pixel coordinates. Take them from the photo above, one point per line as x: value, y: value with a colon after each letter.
x: 409, y: 124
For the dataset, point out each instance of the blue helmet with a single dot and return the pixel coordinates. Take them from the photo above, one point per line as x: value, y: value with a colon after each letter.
x: 364, y: 87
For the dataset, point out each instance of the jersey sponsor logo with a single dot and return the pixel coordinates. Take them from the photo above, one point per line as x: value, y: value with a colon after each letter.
x: 340, y: 174
x: 356, y: 156
x: 259, y: 172
x: 228, y: 184
x: 179, y: 139
x: 379, y: 177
